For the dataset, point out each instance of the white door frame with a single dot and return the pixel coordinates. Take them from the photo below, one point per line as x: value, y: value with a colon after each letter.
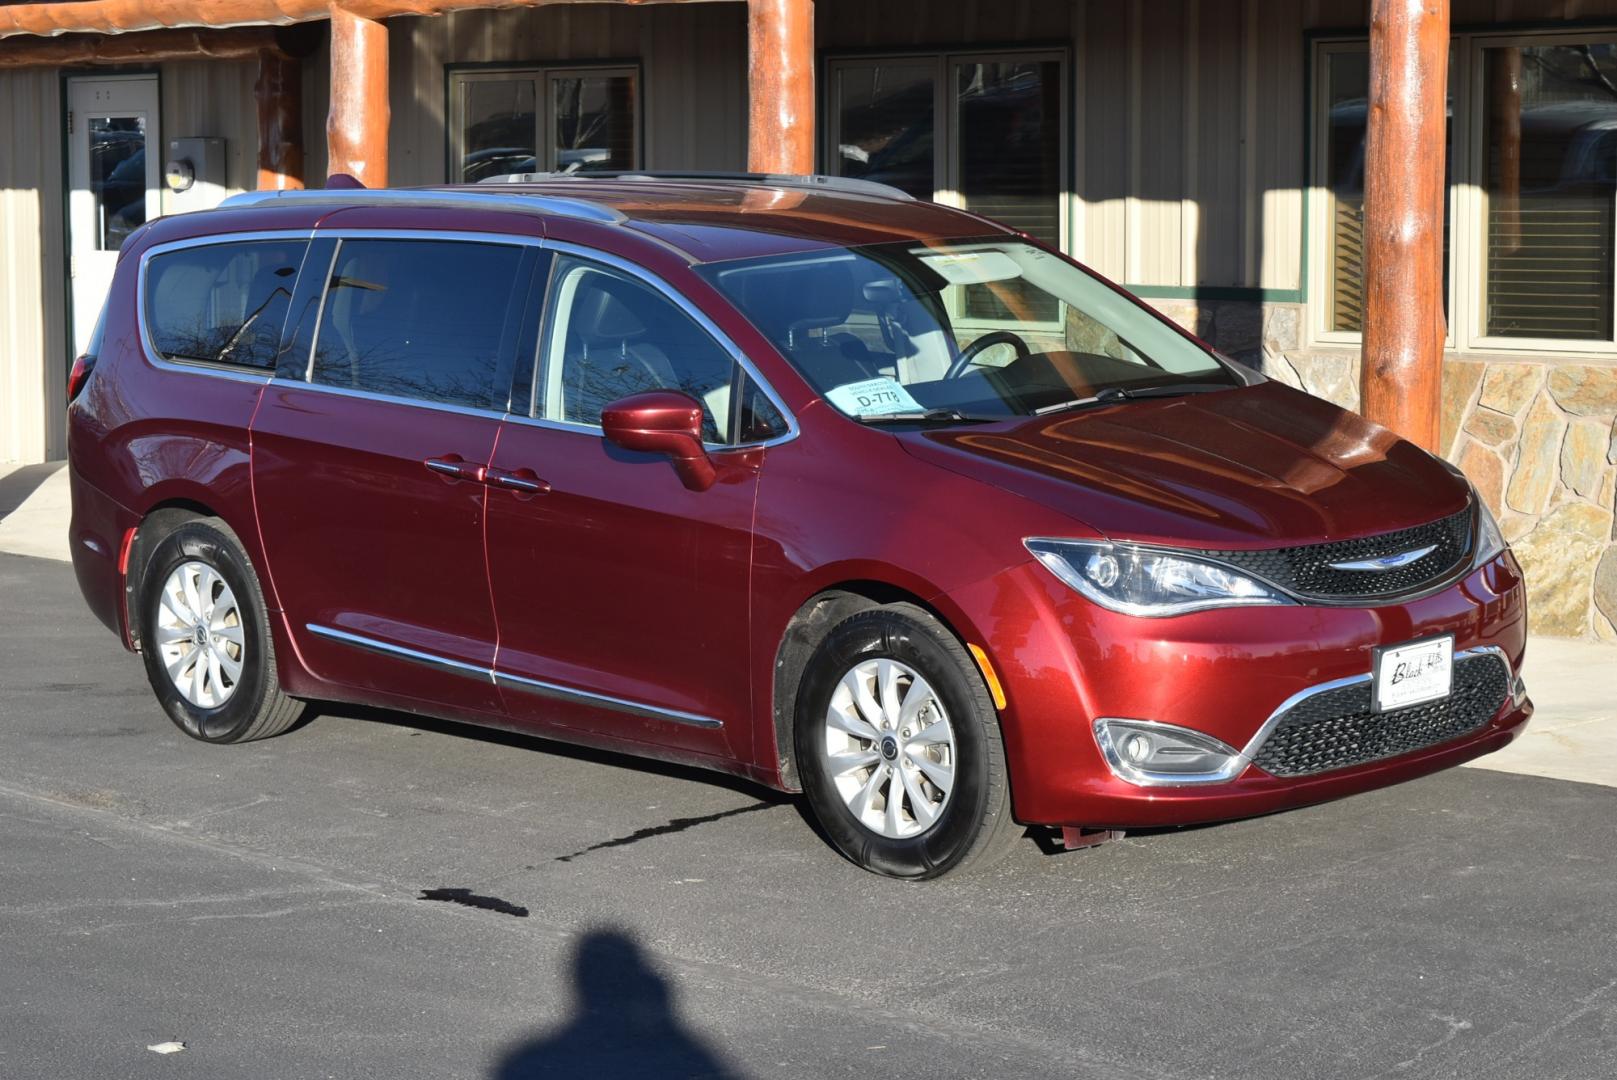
x: 109, y: 106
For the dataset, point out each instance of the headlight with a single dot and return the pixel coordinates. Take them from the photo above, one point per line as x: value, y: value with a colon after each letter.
x: 1139, y: 581
x: 1490, y: 540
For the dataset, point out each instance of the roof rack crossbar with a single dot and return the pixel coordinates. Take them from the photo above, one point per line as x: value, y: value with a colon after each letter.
x: 465, y: 197
x: 848, y: 184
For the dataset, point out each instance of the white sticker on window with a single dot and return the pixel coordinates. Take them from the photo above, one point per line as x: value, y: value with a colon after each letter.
x: 973, y: 267
x: 873, y: 397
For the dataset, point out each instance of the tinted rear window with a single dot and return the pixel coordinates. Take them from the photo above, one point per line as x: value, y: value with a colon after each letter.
x: 418, y: 319
x: 222, y: 303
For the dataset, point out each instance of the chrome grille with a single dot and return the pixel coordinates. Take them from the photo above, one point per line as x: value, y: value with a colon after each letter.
x: 1307, y: 571
x: 1339, y: 728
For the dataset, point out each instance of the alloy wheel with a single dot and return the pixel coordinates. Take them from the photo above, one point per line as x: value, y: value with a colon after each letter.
x: 200, y: 637
x: 889, y: 748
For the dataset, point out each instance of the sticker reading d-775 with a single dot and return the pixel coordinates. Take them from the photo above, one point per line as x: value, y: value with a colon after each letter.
x: 872, y: 397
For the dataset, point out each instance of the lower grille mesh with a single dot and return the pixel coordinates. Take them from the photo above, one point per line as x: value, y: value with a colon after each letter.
x: 1337, y: 729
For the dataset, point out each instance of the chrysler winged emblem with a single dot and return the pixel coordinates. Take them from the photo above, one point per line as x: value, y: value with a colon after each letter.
x: 1385, y: 562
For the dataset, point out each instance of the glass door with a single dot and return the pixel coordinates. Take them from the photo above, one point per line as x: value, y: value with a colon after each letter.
x: 114, y: 149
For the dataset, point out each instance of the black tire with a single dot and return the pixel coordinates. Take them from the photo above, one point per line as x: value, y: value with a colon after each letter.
x: 975, y: 826
x: 255, y: 708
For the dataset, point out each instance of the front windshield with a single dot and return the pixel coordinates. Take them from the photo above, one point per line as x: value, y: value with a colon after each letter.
x: 980, y: 329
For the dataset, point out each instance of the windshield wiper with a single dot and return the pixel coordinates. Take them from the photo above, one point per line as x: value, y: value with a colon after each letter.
x: 953, y: 415
x: 1114, y: 395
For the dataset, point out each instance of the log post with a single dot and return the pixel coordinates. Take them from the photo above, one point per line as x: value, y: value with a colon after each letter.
x: 356, y: 128
x: 780, y: 84
x: 1401, y: 378
x: 279, y: 93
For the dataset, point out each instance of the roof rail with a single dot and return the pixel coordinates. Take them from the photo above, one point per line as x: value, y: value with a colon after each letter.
x: 847, y: 184
x: 466, y: 197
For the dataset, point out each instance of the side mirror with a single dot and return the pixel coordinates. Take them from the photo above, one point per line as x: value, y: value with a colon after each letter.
x: 662, y: 422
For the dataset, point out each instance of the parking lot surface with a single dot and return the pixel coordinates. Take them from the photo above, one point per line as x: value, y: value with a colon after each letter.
x: 606, y: 917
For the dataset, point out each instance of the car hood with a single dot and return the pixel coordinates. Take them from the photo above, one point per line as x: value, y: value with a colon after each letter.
x: 1258, y: 466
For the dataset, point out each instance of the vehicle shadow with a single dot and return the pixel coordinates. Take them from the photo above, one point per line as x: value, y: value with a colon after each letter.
x: 625, y: 1023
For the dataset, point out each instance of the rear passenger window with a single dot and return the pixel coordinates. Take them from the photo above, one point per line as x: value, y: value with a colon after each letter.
x: 222, y: 303
x: 418, y: 319
x: 609, y: 336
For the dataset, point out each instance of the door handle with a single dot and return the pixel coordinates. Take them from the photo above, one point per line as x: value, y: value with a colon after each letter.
x: 522, y: 481
x: 457, y: 468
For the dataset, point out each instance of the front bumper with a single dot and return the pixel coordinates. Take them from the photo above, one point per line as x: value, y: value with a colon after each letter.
x: 1064, y: 662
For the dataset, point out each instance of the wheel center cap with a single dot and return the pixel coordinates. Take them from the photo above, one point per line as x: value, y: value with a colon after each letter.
x: 889, y: 747
x: 200, y: 635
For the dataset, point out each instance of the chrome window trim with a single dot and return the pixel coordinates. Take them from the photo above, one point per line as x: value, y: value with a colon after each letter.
x: 1254, y: 745
x: 517, y: 682
x: 696, y: 314
x: 233, y: 372
x: 344, y: 198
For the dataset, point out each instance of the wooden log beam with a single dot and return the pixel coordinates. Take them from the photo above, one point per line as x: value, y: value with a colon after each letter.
x: 279, y: 95
x: 155, y: 47
x: 780, y: 84
x: 356, y: 127
x: 1401, y: 376
x: 130, y: 16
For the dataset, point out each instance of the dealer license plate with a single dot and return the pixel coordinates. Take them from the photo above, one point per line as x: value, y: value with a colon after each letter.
x: 1413, y: 674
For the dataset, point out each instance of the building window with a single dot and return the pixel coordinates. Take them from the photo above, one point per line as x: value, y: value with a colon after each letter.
x: 542, y: 120
x: 1529, y: 252
x: 986, y: 132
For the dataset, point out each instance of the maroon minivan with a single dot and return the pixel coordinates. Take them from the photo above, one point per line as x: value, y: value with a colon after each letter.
x: 791, y: 477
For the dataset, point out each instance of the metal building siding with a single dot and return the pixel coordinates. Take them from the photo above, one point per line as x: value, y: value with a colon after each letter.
x: 33, y: 347
x: 214, y: 98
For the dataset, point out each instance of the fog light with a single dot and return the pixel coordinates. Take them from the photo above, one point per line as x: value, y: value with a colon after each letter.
x: 1152, y: 754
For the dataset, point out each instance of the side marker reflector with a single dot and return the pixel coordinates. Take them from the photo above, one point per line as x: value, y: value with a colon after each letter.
x: 994, y: 689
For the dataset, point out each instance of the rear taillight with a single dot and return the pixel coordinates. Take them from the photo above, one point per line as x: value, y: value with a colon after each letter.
x: 80, y: 375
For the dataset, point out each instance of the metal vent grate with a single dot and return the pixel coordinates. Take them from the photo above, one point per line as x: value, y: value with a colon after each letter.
x: 1338, y: 729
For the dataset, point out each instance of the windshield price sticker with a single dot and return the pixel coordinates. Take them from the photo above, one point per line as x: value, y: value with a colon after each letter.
x: 1413, y: 674
x: 873, y: 397
x: 972, y: 267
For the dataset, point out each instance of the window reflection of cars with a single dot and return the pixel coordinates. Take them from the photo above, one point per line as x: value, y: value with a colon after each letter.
x: 118, y: 160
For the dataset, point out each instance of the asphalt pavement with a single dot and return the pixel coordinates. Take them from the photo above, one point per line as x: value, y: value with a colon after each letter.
x: 380, y: 895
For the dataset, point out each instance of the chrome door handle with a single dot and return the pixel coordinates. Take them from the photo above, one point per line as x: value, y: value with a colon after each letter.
x: 519, y: 480
x: 457, y: 468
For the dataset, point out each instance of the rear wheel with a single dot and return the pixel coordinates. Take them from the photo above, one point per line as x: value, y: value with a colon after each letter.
x: 205, y: 638
x: 900, y: 747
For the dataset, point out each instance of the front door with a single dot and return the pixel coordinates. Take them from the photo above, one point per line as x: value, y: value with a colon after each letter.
x: 113, y: 152
x: 621, y: 593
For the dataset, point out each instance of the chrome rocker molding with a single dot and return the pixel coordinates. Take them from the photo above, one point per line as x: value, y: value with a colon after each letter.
x: 514, y: 682
x: 1238, y: 764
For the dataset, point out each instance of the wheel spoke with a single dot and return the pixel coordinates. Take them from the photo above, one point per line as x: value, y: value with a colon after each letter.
x: 231, y: 667
x: 174, y: 599
x: 852, y: 761
x: 931, y: 734
x: 168, y: 635
x: 177, y: 666
x: 922, y: 806
x: 941, y: 776
x: 193, y: 597
x: 918, y: 696
x: 854, y: 683
x: 887, y: 674
x: 860, y: 803
x: 232, y: 634
x: 895, y: 802
x: 846, y: 718
x: 215, y: 684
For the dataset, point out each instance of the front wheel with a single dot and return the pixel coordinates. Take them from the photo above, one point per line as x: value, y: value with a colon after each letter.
x: 900, y: 747
x: 205, y: 638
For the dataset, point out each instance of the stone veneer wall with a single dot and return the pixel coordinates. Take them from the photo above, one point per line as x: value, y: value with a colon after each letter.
x: 1537, y: 435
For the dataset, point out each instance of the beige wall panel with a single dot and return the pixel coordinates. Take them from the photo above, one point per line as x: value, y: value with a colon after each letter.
x: 1102, y: 76
x: 214, y: 99
x: 1278, y: 143
x: 1220, y: 176
x: 33, y: 346
x: 1156, y: 209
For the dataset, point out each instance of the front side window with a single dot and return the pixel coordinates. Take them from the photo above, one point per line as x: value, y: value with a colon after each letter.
x: 984, y: 132
x: 608, y: 335
x: 873, y: 329
x: 422, y: 319
x: 543, y: 120
x: 222, y: 303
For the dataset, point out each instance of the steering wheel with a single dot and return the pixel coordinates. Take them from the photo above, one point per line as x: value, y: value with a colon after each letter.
x: 997, y: 337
